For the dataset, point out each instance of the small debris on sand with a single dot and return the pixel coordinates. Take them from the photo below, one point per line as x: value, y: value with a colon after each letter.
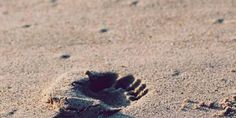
x: 26, y: 26
x: 219, y: 21
x: 233, y: 71
x: 175, y: 73
x: 134, y: 3
x: 65, y: 56
x: 104, y: 30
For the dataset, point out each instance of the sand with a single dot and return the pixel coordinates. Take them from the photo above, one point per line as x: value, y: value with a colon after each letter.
x: 182, y: 50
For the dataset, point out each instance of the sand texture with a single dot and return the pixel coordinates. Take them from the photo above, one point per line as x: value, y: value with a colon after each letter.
x: 117, y: 58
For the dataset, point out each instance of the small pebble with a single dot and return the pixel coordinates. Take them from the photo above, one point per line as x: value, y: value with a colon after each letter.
x: 26, y: 26
x: 65, y: 56
x: 219, y: 21
x: 233, y: 71
x: 176, y: 73
x: 104, y: 30
x: 12, y: 112
x: 134, y: 3
x: 53, y: 1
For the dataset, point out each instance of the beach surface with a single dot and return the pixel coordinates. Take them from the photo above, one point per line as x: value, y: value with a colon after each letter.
x: 182, y: 51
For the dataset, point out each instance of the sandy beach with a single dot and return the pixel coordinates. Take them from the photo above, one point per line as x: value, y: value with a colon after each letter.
x: 117, y: 58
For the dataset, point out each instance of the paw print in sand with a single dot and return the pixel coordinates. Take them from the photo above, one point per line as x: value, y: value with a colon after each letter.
x: 101, y: 94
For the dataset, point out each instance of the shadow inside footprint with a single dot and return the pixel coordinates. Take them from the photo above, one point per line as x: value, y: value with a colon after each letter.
x: 109, y: 89
x: 113, y: 94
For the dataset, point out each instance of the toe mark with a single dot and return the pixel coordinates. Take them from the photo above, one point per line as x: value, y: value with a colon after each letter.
x: 134, y: 85
x: 138, y: 96
x: 124, y: 82
x: 143, y: 93
x: 140, y: 89
x: 101, y: 81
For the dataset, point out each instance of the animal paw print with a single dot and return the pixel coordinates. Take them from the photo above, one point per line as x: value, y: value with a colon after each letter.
x: 111, y: 90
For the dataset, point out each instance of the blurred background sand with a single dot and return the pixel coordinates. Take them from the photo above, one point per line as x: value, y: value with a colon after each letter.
x: 182, y: 49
